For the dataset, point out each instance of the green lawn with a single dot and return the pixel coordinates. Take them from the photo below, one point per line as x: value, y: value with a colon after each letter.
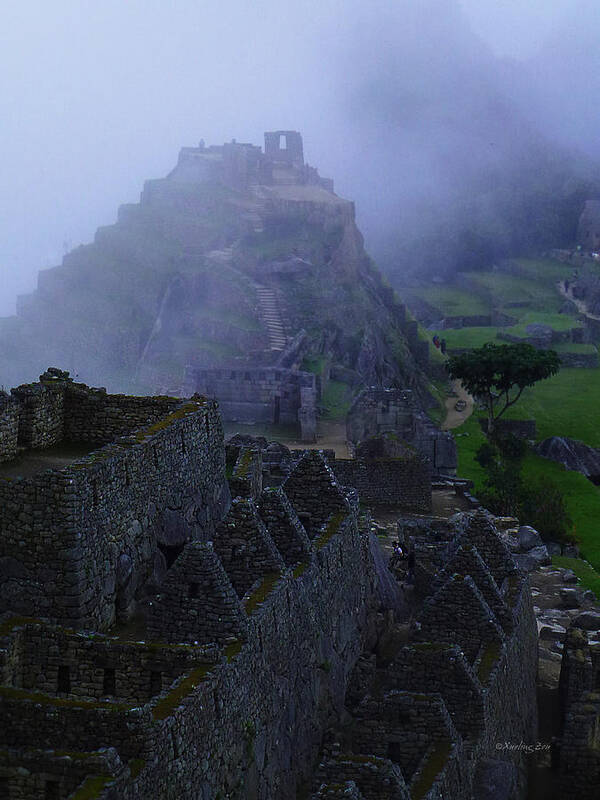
x: 581, y: 496
x: 564, y: 405
x: 507, y: 289
x: 545, y: 269
x: 450, y: 301
x: 468, y: 337
x: 588, y: 576
x: 336, y: 400
x: 558, y: 322
x: 574, y: 347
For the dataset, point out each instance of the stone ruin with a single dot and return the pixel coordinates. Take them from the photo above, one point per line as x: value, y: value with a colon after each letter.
x: 579, y: 691
x: 159, y: 640
x: 394, y: 411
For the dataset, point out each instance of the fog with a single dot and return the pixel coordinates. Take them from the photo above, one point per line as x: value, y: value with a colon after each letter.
x: 419, y: 109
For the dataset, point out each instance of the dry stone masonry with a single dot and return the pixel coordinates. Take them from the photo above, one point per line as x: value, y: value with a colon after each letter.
x: 160, y: 640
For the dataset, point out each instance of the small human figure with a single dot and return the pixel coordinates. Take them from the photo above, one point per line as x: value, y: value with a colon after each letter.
x: 410, y: 575
x: 566, y: 285
x: 443, y: 346
x: 436, y: 341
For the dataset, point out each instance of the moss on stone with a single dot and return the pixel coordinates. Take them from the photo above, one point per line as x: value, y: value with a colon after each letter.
x: 332, y: 528
x: 263, y: 591
x: 300, y: 569
x: 10, y: 693
x: 91, y: 787
x: 15, y: 622
x: 435, y: 764
x: 166, y: 422
x: 165, y: 707
x: 489, y: 658
x: 136, y: 765
x: 232, y: 650
x: 243, y: 464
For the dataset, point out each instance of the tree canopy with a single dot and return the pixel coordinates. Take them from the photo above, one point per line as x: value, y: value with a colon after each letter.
x: 498, y: 373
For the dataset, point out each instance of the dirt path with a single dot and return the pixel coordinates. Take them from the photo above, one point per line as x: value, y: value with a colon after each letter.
x: 581, y: 306
x: 455, y: 418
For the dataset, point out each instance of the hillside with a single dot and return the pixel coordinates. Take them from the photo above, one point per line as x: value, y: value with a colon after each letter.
x: 222, y: 263
x: 525, y: 300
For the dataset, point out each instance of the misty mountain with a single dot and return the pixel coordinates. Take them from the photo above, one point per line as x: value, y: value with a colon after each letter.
x: 459, y: 149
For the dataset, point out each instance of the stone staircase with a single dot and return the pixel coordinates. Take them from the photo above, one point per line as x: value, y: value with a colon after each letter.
x: 271, y: 314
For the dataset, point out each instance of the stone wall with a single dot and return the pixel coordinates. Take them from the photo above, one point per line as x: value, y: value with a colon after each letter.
x: 403, y: 482
x: 78, y: 543
x: 92, y: 667
x: 380, y: 411
x: 9, y: 427
x: 255, y: 702
x: 41, y: 415
x: 257, y: 394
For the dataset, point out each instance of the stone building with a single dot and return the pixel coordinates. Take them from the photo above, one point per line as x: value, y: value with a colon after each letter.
x: 394, y: 411
x: 182, y: 646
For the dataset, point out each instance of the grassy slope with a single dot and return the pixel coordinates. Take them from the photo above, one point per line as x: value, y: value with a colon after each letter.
x: 564, y: 405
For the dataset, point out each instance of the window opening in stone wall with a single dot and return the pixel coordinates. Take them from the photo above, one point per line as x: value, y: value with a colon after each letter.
x: 171, y: 552
x: 63, y: 679
x: 282, y: 141
x: 277, y: 410
x: 155, y: 682
x: 109, y: 685
x: 183, y: 441
x: 52, y: 790
x: 194, y: 590
x: 394, y: 752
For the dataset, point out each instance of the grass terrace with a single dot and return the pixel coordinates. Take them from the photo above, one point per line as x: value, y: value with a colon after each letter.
x: 450, y: 301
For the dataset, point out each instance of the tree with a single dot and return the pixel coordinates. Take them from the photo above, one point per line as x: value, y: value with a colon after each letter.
x: 498, y: 374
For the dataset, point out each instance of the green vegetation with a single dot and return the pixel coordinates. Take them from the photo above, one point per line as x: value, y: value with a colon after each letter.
x: 263, y: 591
x: 300, y: 569
x: 438, y: 758
x: 450, y: 301
x: 91, y: 787
x: 462, y: 338
x: 10, y: 693
x: 232, y: 650
x: 313, y: 364
x: 500, y: 373
x: 488, y: 660
x: 336, y: 400
x: 582, y: 498
x: 332, y: 528
x: 587, y: 575
x: 165, y: 707
x: 136, y: 765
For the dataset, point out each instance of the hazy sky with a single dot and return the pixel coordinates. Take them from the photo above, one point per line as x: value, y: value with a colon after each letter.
x: 99, y: 95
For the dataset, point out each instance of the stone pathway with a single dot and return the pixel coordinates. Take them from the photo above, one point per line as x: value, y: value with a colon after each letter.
x: 581, y: 305
x: 271, y: 315
x: 456, y: 418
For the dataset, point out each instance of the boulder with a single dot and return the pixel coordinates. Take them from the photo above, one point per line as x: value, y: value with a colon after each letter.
x: 569, y: 576
x: 553, y: 632
x: 572, y: 454
x: 525, y: 562
x: 541, y: 556
x: 571, y: 551
x: 571, y: 597
x: 529, y: 538
x: 588, y: 620
x: 554, y: 548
